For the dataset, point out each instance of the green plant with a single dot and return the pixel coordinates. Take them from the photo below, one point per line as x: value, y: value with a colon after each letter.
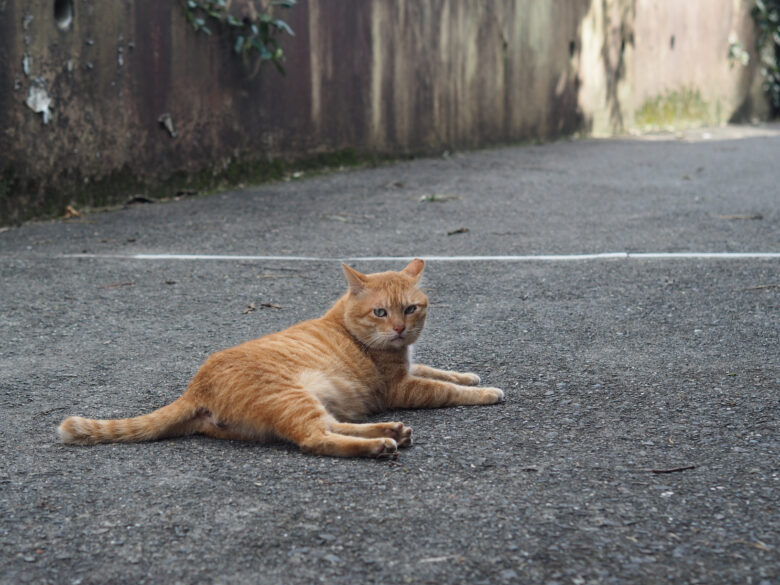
x: 256, y: 32
x: 766, y: 13
x: 737, y: 52
x: 673, y: 109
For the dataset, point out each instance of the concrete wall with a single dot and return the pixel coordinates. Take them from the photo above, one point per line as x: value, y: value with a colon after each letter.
x: 378, y: 76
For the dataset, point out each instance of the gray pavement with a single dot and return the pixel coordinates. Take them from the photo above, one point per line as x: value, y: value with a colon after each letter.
x: 614, y: 370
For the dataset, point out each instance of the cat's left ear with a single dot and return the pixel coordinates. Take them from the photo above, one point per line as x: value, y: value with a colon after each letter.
x: 355, y: 279
x: 415, y: 268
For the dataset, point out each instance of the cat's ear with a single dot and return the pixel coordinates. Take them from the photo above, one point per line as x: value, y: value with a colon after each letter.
x: 355, y: 279
x: 415, y: 268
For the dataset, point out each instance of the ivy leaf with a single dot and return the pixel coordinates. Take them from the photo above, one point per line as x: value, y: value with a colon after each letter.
x: 258, y: 46
x: 284, y: 26
x: 255, y: 34
x: 265, y: 54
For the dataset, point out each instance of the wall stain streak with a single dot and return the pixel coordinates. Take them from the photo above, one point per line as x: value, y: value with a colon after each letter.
x: 371, y: 78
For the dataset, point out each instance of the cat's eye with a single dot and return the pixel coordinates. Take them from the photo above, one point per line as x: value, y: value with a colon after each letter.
x: 410, y: 309
x: 380, y: 312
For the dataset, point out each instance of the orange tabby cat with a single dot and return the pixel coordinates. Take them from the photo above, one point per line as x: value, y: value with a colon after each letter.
x: 302, y: 384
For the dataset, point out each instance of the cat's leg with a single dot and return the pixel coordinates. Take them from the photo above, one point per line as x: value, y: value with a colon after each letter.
x: 206, y: 423
x: 304, y: 421
x: 415, y: 392
x: 224, y: 433
x: 462, y: 379
x: 298, y: 417
x: 338, y: 445
x: 395, y: 430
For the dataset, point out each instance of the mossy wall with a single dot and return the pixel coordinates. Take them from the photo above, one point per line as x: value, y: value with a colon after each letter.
x: 675, y: 108
x: 84, y: 103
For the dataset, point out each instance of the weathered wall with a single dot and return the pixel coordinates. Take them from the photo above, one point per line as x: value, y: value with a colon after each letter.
x: 377, y: 76
x: 662, y: 64
x: 681, y: 62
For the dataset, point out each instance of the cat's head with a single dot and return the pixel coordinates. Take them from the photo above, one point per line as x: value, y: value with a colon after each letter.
x: 385, y: 310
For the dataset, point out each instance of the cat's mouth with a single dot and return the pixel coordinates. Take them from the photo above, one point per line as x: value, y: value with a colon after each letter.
x: 401, y: 338
x: 398, y: 340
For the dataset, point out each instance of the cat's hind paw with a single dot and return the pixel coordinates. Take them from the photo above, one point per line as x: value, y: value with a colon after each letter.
x: 402, y: 434
x: 388, y: 449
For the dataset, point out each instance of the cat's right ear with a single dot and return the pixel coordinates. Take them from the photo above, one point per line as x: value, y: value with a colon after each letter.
x: 415, y: 268
x: 355, y: 279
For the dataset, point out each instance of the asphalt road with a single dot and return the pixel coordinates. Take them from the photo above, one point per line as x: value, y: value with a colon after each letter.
x: 638, y: 442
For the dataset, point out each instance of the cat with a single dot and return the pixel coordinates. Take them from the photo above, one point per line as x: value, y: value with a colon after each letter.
x: 307, y: 384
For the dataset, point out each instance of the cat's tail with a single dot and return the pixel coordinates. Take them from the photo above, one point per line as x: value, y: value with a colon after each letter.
x: 169, y: 421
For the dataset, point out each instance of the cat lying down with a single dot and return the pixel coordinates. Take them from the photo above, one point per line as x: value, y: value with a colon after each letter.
x: 307, y: 384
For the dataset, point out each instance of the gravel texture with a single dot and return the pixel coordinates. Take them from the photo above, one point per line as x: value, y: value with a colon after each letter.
x: 614, y: 371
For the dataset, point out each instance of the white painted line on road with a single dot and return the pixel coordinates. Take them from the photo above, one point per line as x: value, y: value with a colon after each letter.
x: 508, y: 258
x: 704, y: 255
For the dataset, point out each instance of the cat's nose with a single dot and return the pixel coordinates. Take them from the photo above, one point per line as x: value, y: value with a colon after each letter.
x: 399, y: 328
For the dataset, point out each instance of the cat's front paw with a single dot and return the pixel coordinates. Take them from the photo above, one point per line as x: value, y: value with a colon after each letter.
x: 492, y: 395
x: 468, y: 379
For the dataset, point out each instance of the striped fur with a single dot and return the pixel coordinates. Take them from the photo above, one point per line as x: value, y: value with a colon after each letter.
x: 307, y: 384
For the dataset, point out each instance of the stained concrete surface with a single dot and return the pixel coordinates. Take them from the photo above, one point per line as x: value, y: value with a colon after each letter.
x: 614, y: 370
x: 123, y: 98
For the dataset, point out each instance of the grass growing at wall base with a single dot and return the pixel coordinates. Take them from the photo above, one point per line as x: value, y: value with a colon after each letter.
x: 26, y: 198
x: 676, y: 109
x: 22, y: 201
x: 245, y: 172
